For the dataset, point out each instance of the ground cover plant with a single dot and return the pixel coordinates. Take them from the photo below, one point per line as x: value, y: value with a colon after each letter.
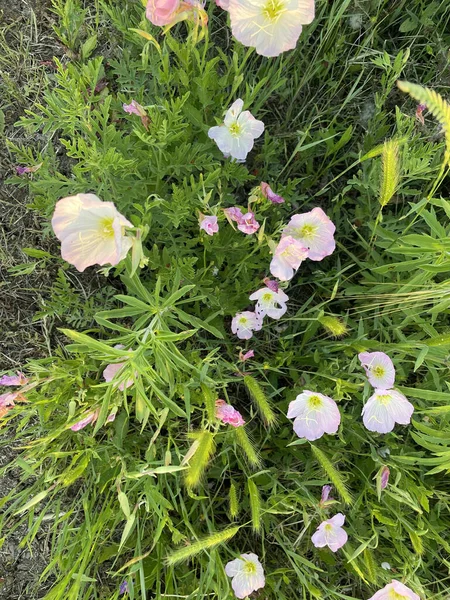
x: 257, y: 402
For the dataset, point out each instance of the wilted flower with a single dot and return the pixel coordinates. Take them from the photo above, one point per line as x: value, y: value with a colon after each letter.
x: 379, y: 369
x: 228, y: 414
x: 384, y: 477
x: 271, y: 284
x: 111, y: 371
x: 247, y: 575
x: 270, y: 26
x: 22, y: 170
x: 419, y: 113
x: 315, y: 231
x: 314, y: 414
x: 245, y: 356
x: 386, y: 408
x: 248, y: 224
x: 8, y: 400
x: 270, y: 303
x: 270, y: 195
x: 123, y: 589
x: 245, y: 323
x: 326, y: 490
x: 134, y: 108
x: 235, y: 137
x: 19, y: 379
x: 91, y: 231
x: 330, y: 533
x: 287, y: 258
x: 234, y: 213
x: 208, y: 224
x: 91, y: 418
x: 395, y: 591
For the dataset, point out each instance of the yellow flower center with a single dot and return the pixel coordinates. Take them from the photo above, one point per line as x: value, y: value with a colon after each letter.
x: 315, y: 402
x: 234, y: 129
x: 328, y: 527
x: 307, y: 231
x: 267, y: 297
x: 393, y: 595
x: 106, y: 227
x: 249, y: 568
x: 243, y: 321
x: 273, y: 9
x: 384, y: 399
x: 379, y: 371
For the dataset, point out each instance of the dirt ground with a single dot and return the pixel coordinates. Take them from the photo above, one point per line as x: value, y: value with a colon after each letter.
x: 26, y: 44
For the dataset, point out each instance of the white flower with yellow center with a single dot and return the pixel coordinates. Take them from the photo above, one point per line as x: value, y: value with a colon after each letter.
x: 247, y: 575
x: 315, y: 231
x: 270, y: 303
x: 235, y: 137
x: 270, y: 26
x: 91, y: 232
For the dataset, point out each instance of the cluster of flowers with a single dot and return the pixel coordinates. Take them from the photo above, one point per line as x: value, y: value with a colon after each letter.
x: 269, y: 26
x: 316, y: 414
x: 247, y: 573
x: 307, y: 235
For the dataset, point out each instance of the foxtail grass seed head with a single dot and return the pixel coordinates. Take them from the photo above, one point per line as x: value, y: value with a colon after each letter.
x: 199, y: 461
x: 334, y: 325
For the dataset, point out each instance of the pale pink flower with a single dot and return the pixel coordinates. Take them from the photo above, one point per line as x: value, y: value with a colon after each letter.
x: 228, y: 414
x: 248, y: 224
x: 91, y: 231
x: 270, y: 26
x: 326, y: 490
x: 330, y: 533
x: 162, y: 12
x: 247, y: 575
x: 314, y: 414
x: 268, y: 193
x: 245, y: 323
x: 225, y: 4
x: 18, y: 379
x: 245, y: 356
x: 386, y: 408
x: 112, y: 369
x: 379, y: 369
x: 235, y: 137
x: 209, y: 224
x: 384, y: 477
x: 270, y: 303
x: 287, y: 258
x: 233, y: 213
x: 134, y: 108
x: 395, y: 591
x: 315, y: 231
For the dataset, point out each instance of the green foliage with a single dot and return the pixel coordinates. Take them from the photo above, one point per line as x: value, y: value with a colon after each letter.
x: 165, y: 495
